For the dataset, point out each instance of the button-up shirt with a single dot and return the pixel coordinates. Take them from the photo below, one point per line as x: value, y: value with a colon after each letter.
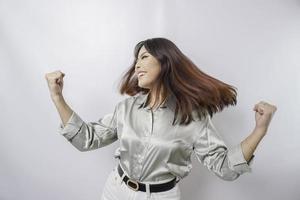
x: 151, y: 148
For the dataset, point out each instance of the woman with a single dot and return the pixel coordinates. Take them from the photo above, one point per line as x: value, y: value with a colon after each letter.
x: 166, y: 119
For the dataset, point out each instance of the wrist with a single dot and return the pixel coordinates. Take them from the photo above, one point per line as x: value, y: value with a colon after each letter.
x: 261, y: 130
x: 56, y: 98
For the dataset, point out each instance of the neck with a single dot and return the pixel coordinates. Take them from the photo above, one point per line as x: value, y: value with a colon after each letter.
x: 152, y: 98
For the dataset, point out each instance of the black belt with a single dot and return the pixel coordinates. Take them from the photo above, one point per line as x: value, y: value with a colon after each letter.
x: 142, y: 187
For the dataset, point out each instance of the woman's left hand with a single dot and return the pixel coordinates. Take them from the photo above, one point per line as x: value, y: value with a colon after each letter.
x: 264, y: 113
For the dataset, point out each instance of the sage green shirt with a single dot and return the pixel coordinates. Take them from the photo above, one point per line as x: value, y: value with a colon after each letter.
x: 152, y: 149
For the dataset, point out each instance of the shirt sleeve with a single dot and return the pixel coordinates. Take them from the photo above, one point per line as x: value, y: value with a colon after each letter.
x: 210, y: 150
x: 91, y: 135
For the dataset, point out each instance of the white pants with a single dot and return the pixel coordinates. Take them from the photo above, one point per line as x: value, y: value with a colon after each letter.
x: 116, y: 189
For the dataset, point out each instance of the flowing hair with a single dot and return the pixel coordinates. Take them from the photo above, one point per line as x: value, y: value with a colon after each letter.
x: 192, y: 89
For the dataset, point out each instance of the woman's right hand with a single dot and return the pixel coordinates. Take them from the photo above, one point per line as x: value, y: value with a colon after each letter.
x: 55, y: 83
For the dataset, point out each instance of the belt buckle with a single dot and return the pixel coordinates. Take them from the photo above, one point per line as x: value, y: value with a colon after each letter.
x: 134, y: 182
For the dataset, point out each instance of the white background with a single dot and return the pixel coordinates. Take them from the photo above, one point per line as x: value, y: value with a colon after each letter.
x: 253, y: 45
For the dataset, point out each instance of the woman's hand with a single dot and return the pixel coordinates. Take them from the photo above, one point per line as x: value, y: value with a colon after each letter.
x: 55, y: 83
x: 263, y: 114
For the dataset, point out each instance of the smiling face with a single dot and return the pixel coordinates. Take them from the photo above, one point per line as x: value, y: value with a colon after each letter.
x: 150, y: 67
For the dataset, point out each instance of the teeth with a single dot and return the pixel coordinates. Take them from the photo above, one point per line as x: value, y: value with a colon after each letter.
x: 142, y: 73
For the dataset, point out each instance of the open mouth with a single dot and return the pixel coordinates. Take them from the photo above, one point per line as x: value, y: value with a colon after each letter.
x: 141, y: 74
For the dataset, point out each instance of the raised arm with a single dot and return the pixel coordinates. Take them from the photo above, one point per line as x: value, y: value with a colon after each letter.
x: 84, y: 136
x: 211, y: 150
x: 230, y: 163
x: 263, y: 115
x: 55, y: 84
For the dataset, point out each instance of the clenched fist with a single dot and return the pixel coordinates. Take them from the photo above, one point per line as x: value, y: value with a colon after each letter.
x: 55, y: 83
x: 264, y: 113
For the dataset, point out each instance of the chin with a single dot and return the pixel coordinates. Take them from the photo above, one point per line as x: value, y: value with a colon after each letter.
x: 141, y: 86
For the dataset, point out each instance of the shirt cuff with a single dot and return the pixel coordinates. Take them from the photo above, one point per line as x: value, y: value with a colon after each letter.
x: 117, y: 153
x: 237, y: 160
x: 72, y: 126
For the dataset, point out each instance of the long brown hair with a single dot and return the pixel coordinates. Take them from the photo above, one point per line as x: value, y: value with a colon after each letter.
x: 192, y: 89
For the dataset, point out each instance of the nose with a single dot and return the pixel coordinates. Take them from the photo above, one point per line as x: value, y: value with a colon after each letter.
x: 137, y: 66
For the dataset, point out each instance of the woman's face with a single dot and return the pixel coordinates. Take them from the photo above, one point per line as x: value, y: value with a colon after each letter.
x: 149, y: 66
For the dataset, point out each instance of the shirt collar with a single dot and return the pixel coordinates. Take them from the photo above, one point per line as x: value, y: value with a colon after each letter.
x: 142, y: 98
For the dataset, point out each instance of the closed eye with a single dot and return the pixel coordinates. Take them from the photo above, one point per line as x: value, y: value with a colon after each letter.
x: 144, y: 57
